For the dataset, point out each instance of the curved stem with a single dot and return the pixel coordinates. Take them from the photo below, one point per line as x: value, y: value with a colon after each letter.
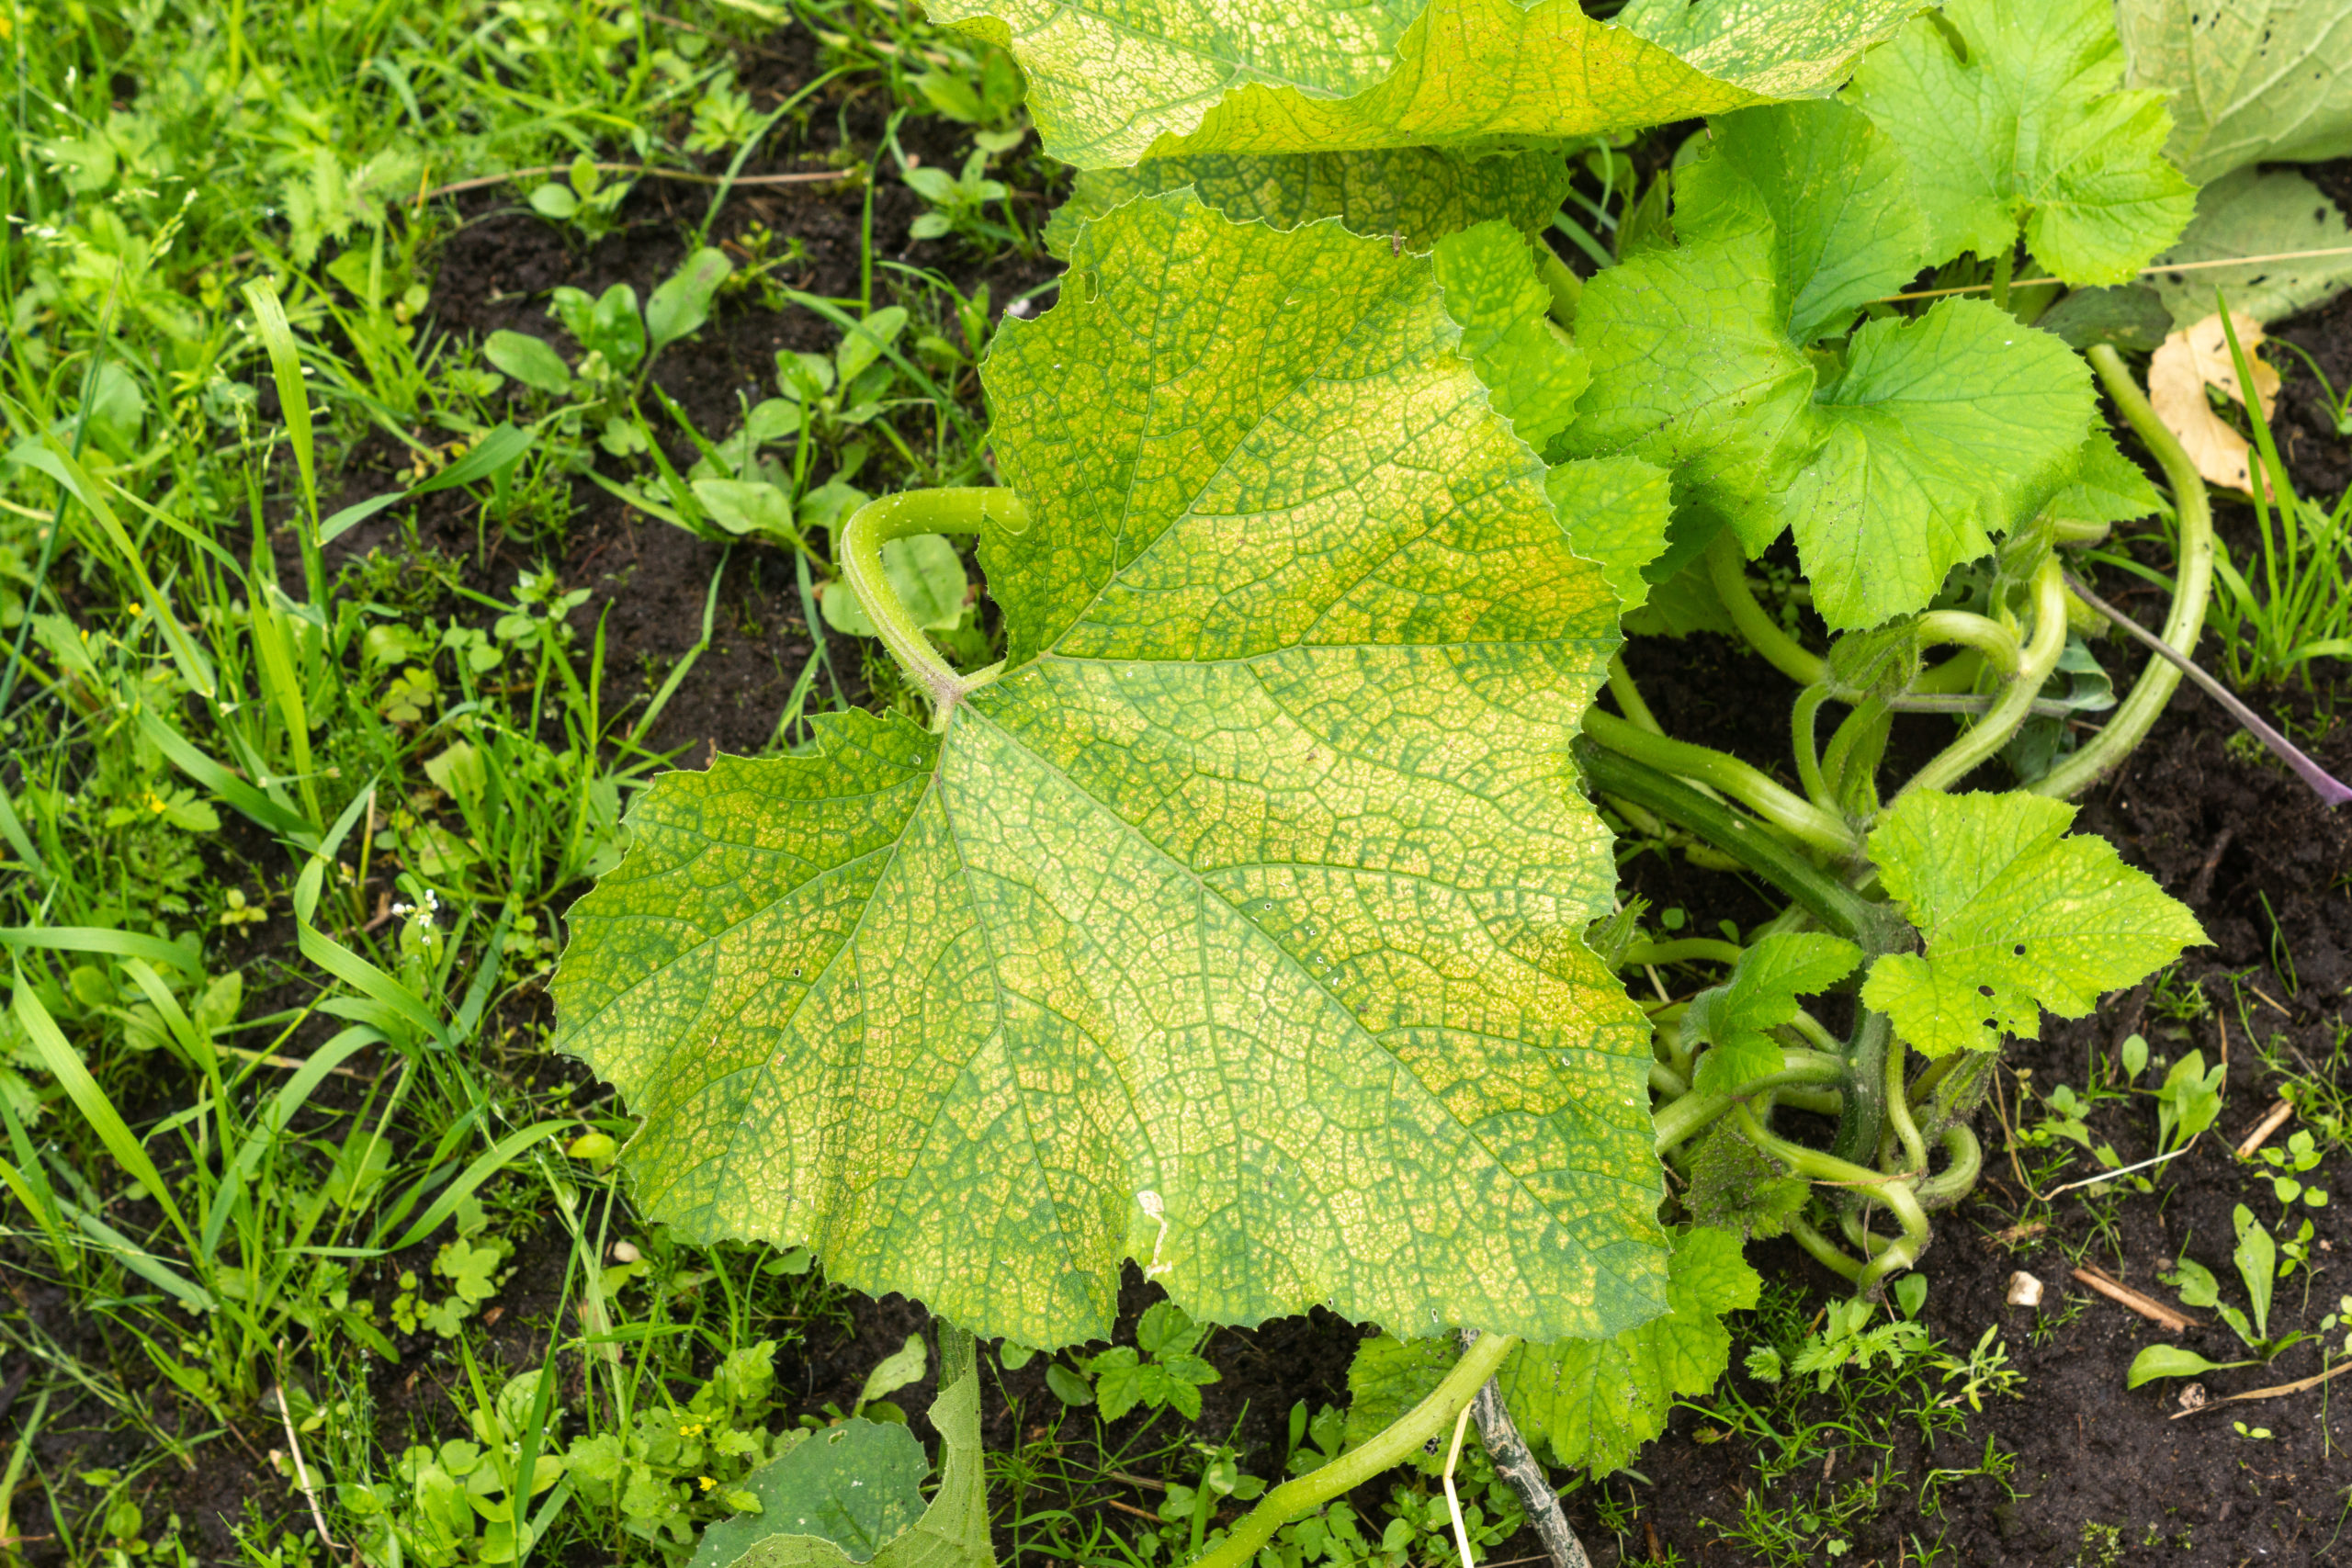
x: 1857, y: 732
x: 1992, y: 732
x: 2186, y: 622
x: 1678, y: 1120
x: 1805, y: 742
x: 1389, y: 1447
x: 1824, y: 1251
x: 1988, y: 638
x: 901, y: 516
x: 1727, y: 569
x: 1955, y: 674
x: 1785, y: 810
x: 1828, y: 900
x: 1898, y: 1112
x: 1958, y: 1179
x: 1628, y: 697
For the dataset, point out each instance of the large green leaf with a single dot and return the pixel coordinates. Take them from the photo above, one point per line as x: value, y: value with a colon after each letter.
x: 1422, y: 193
x: 1235, y: 926
x: 1893, y: 467
x: 1593, y: 1403
x: 2250, y: 80
x: 1761, y: 995
x: 2030, y: 129
x: 2250, y: 214
x: 2017, y: 917
x: 1112, y: 83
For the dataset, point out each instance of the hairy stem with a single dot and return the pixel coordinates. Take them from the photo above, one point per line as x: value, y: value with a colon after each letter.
x: 2186, y: 622
x: 1989, y: 639
x: 1727, y: 569
x: 1825, y: 1252
x: 1628, y: 697
x: 1823, y: 896
x: 1389, y: 1447
x: 1805, y: 741
x: 1814, y: 1166
x: 1957, y: 1180
x: 1789, y: 812
x: 2039, y: 657
x: 1521, y: 1471
x: 1898, y: 1111
x: 903, y: 517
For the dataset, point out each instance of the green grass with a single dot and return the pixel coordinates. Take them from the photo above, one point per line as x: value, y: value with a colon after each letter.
x: 286, y: 842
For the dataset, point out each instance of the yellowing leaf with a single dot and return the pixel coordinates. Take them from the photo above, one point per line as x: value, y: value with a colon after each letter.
x: 1236, y: 926
x: 2015, y: 916
x: 1114, y: 86
x: 2277, y: 214
x: 2189, y: 361
x: 1421, y: 192
x: 1491, y: 290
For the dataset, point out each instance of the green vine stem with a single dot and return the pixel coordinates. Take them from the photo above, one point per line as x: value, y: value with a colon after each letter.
x: 1678, y: 1120
x: 1399, y: 1439
x: 2186, y: 622
x: 1898, y: 1112
x: 1988, y: 638
x: 2032, y: 667
x: 1863, y: 1120
x: 1814, y: 1166
x: 1790, y: 813
x: 1826, y: 899
x: 1805, y: 740
x: 875, y: 523
x: 1727, y: 568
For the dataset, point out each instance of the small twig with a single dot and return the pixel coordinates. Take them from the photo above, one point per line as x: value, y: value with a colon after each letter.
x: 2147, y: 1306
x: 2272, y: 1120
x: 2144, y: 272
x: 2279, y: 1392
x: 2120, y: 1170
x: 1524, y: 1474
x: 2272, y: 1000
x: 1145, y: 1481
x: 301, y: 1470
x: 2331, y: 790
x: 648, y: 171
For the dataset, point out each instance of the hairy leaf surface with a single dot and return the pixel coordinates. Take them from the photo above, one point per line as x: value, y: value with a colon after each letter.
x: 2032, y: 130
x: 1422, y: 193
x: 2249, y: 80
x: 1761, y: 995
x: 2017, y: 917
x: 1114, y: 83
x: 1234, y: 928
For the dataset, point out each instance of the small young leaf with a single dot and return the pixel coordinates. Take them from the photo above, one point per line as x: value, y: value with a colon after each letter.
x: 681, y: 303
x: 2015, y: 916
x: 529, y: 360
x: 2172, y: 1361
x: 2257, y: 1257
x: 2030, y: 129
x: 749, y: 507
x: 1761, y: 995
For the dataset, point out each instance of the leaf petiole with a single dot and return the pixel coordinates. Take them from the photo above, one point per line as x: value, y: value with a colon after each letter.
x: 963, y: 511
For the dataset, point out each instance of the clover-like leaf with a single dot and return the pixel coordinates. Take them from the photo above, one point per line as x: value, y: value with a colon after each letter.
x: 1761, y: 995
x: 2017, y: 917
x: 1592, y: 1402
x: 1420, y: 193
x: 2030, y: 129
x: 1492, y: 292
x: 1112, y: 87
x: 1236, y: 926
x: 2252, y: 81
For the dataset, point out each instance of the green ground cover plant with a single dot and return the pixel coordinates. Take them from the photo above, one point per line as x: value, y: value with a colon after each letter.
x: 1217, y: 870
